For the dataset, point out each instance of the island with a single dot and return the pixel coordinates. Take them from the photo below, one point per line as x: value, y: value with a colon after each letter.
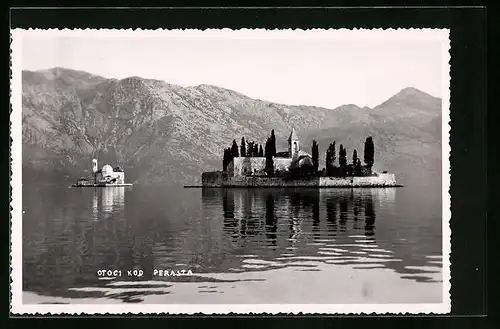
x: 106, y: 176
x: 250, y: 166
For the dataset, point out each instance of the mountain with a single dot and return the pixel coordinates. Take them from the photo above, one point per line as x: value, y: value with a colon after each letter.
x: 163, y: 133
x: 407, y: 135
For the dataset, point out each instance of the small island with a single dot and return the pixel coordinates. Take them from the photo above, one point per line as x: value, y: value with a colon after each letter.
x: 107, y: 176
x: 249, y: 165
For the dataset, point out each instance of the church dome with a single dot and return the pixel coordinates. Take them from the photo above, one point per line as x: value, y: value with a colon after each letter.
x: 301, y: 159
x: 107, y: 170
x: 305, y: 161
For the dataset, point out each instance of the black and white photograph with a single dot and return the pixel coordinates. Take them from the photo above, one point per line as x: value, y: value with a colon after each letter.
x: 217, y: 171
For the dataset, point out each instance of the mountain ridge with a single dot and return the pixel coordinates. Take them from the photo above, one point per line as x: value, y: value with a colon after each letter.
x: 406, y: 90
x: 163, y: 133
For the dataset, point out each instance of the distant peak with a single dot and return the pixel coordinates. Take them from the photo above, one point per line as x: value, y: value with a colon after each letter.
x: 409, y: 95
x: 409, y: 91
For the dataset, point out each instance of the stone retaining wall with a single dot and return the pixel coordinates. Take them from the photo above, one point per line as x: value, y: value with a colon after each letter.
x: 242, y: 165
x: 369, y: 181
x: 220, y: 179
x: 213, y: 178
x: 270, y: 182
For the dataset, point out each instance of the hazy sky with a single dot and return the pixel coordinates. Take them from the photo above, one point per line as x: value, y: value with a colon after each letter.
x: 324, y: 68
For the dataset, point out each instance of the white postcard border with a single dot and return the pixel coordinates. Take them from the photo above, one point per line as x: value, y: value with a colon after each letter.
x: 17, y: 306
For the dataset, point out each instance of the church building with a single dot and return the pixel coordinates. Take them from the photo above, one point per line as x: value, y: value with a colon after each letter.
x: 107, y: 174
x: 283, y: 161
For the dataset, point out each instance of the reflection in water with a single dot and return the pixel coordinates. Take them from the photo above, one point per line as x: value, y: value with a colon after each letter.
x: 112, y: 196
x: 299, y: 210
x: 369, y: 218
x: 68, y: 236
x: 343, y: 214
x: 271, y: 220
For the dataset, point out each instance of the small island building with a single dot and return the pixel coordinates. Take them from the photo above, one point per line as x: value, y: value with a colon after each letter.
x: 283, y: 161
x: 248, y: 166
x: 107, y: 174
x: 291, y: 168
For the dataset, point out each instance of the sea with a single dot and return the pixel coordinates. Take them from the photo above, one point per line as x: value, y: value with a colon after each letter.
x: 175, y: 245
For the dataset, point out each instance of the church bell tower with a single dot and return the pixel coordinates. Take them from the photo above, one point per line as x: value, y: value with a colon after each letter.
x: 293, y: 143
x: 94, y: 166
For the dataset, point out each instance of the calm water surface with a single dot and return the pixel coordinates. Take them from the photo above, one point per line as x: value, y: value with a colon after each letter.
x: 242, y: 245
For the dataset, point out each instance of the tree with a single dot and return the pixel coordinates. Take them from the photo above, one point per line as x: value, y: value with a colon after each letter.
x: 226, y: 158
x: 234, y: 149
x: 334, y: 157
x: 342, y: 159
x: 249, y: 149
x: 243, y: 147
x: 354, y: 161
x: 328, y: 161
x: 369, y: 152
x: 255, y: 150
x: 273, y: 143
x: 315, y: 156
x: 357, y: 168
x: 261, y: 151
x: 269, y: 167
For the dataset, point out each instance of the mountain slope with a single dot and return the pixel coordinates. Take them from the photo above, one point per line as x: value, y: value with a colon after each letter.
x: 163, y: 133
x: 407, y: 135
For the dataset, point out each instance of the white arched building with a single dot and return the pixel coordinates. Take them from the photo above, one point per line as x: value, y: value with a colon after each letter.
x: 108, y: 174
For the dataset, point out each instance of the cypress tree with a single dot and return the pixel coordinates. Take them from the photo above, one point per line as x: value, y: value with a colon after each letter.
x: 358, y: 167
x: 354, y: 161
x: 243, y: 147
x: 333, y: 155
x: 234, y: 149
x: 273, y: 143
x: 369, y: 152
x: 342, y: 158
x: 225, y: 160
x: 315, y: 156
x: 328, y: 161
x: 269, y: 168
x: 250, y: 149
x: 255, y: 150
x: 330, y: 158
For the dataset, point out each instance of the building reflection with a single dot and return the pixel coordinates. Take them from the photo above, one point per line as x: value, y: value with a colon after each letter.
x: 76, y: 239
x: 274, y: 215
x: 344, y: 206
x: 295, y: 216
x: 271, y: 220
x: 369, y: 217
x: 112, y: 199
x: 230, y: 225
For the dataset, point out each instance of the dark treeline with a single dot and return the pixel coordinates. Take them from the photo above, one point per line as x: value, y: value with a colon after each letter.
x: 355, y: 168
x: 250, y: 149
x: 335, y: 166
